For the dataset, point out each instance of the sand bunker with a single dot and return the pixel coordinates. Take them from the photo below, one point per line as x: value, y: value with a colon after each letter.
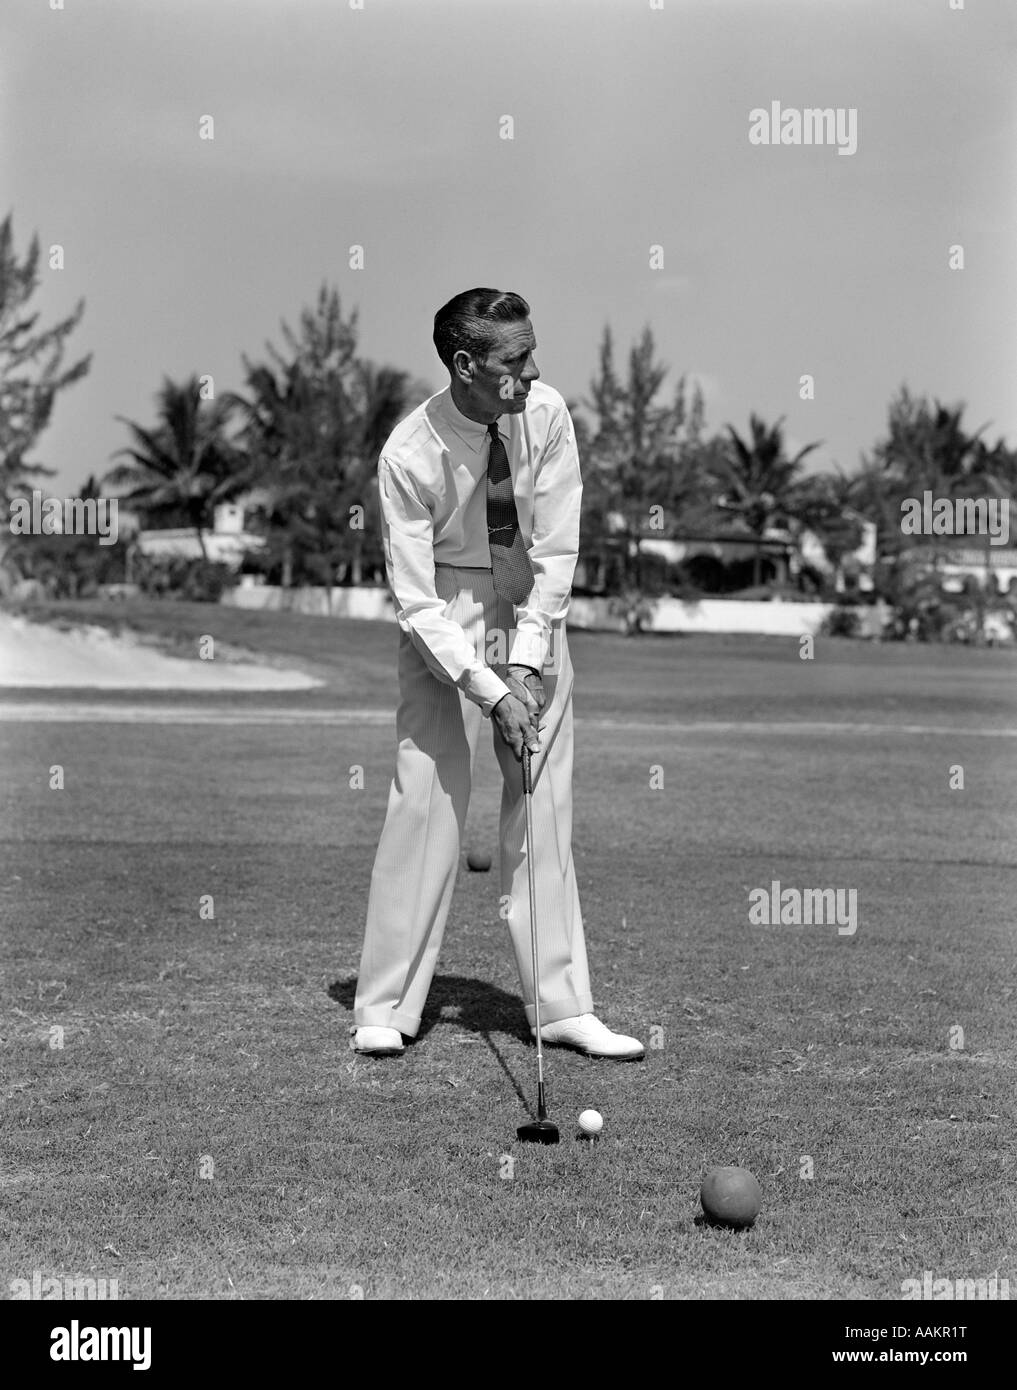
x: 33, y: 655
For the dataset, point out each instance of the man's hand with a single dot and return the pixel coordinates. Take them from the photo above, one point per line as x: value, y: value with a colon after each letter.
x: 527, y: 686
x: 516, y: 725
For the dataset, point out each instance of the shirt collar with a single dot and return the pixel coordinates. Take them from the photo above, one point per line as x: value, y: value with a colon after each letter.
x: 471, y: 432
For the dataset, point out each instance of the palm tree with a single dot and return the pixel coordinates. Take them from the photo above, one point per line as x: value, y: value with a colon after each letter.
x: 758, y: 481
x: 926, y: 446
x: 32, y: 375
x: 928, y: 449
x: 823, y: 503
x: 272, y: 414
x: 640, y: 453
x: 314, y: 424
x: 379, y: 397
x: 185, y: 465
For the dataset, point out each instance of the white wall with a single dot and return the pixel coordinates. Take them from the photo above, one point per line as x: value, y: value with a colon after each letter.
x: 774, y: 619
x: 346, y: 603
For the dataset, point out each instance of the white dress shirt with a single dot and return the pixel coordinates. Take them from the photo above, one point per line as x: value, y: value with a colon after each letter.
x: 432, y: 486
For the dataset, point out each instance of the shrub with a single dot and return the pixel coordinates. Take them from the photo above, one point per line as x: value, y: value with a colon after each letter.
x: 176, y: 576
x: 842, y: 621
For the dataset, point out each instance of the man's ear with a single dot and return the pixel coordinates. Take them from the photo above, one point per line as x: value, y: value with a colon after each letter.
x: 463, y: 366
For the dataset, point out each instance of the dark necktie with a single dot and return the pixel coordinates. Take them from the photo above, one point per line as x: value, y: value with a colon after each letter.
x: 510, y: 564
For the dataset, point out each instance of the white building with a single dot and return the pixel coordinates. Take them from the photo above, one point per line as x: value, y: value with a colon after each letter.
x: 227, y: 541
x: 993, y: 566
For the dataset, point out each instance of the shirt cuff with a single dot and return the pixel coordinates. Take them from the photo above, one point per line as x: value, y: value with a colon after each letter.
x: 487, y: 688
x: 528, y: 649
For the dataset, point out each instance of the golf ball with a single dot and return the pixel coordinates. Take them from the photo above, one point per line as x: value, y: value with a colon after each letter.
x: 591, y: 1122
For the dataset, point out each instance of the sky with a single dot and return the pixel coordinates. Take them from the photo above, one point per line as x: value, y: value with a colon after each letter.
x: 379, y: 123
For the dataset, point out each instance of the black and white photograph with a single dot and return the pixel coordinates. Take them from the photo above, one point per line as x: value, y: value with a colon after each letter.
x: 508, y: 668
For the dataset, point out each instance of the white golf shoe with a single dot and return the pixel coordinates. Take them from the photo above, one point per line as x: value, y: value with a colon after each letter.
x: 587, y: 1034
x: 377, y: 1042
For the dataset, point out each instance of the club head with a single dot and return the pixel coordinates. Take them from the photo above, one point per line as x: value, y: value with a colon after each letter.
x: 538, y: 1132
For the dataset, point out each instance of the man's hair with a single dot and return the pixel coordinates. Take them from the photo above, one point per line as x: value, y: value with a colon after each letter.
x: 465, y: 322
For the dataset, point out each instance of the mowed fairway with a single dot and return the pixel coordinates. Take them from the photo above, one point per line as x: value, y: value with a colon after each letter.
x: 200, y: 1129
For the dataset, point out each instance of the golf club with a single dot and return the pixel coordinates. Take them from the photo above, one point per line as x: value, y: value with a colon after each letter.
x: 540, y: 1130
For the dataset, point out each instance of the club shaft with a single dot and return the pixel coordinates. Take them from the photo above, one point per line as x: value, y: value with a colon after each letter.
x: 534, y: 956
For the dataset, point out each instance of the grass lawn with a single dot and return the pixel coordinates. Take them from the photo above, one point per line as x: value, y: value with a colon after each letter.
x: 144, y: 1046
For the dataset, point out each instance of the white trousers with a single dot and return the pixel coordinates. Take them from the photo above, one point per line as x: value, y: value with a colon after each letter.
x: 438, y: 732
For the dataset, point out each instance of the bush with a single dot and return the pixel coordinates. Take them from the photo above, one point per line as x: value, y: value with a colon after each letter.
x: 176, y: 576
x: 841, y: 622
x: 64, y: 566
x: 635, y: 608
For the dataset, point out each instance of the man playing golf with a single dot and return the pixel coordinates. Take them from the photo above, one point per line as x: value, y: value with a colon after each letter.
x: 480, y: 495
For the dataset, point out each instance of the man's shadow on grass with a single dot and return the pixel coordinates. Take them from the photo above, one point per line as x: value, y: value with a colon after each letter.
x: 472, y: 1006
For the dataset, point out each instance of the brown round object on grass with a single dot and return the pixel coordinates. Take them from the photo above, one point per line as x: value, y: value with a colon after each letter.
x: 731, y: 1197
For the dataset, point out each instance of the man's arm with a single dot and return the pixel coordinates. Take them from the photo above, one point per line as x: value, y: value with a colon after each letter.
x: 408, y: 537
x: 554, y: 547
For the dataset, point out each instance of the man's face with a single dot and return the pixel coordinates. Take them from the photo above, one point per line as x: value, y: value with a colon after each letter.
x: 500, y: 385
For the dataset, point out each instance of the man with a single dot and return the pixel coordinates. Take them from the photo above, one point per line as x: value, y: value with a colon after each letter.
x: 480, y: 491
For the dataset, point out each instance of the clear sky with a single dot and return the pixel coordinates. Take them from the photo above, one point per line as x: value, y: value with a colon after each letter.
x: 379, y: 126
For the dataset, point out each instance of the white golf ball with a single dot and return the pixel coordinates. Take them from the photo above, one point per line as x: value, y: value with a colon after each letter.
x: 591, y: 1122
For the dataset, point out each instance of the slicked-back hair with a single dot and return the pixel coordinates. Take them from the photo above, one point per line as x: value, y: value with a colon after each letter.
x: 465, y: 322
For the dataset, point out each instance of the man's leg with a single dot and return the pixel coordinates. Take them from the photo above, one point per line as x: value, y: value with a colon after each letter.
x: 565, y: 982
x: 418, y: 855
